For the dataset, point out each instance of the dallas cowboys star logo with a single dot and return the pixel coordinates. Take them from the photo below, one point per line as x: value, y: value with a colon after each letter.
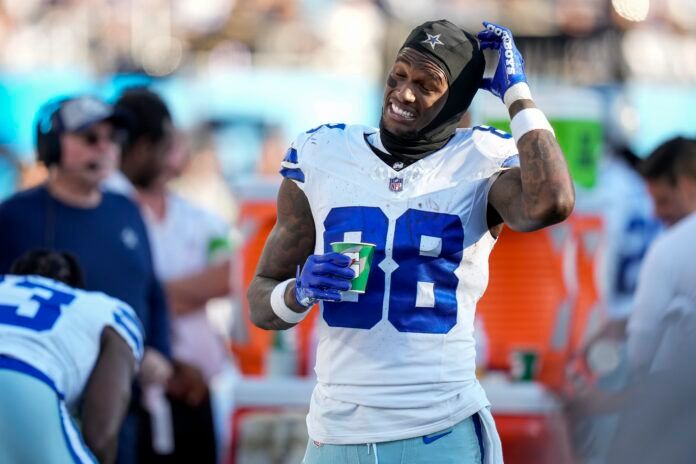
x: 433, y: 40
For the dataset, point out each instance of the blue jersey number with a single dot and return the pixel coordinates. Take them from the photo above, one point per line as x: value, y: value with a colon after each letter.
x: 41, y: 313
x: 427, y: 248
x: 373, y: 224
x: 638, y: 234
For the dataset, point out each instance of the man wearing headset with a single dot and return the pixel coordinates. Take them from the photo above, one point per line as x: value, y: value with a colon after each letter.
x: 77, y: 140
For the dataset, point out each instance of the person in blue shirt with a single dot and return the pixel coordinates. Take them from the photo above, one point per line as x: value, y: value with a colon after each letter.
x: 78, y: 140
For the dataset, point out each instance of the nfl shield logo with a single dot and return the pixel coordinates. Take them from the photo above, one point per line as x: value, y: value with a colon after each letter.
x: 396, y: 184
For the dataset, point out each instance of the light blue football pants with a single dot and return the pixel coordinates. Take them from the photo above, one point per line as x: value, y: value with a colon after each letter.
x: 461, y: 444
x: 35, y: 426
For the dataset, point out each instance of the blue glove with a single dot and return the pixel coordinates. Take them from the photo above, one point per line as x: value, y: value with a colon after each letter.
x: 322, y: 278
x: 510, y: 69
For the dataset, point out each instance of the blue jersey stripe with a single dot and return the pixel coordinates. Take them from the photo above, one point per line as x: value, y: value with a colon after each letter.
x: 78, y: 450
x: 134, y: 339
x: 492, y: 130
x: 479, y: 436
x: 294, y: 174
x: 130, y: 315
x: 511, y: 162
x: 291, y: 156
x: 68, y: 442
x: 14, y: 364
x: 340, y: 126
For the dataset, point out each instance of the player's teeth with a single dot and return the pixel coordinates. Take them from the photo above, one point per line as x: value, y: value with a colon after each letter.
x: 400, y: 112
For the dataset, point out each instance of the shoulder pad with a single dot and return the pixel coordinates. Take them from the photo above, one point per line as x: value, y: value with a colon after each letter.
x: 494, y: 143
x: 339, y: 126
x: 296, y: 156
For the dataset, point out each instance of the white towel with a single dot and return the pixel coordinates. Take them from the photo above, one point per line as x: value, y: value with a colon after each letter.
x: 493, y: 449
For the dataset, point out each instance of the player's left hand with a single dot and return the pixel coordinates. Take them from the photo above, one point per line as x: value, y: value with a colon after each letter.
x: 323, y: 277
x: 510, y: 67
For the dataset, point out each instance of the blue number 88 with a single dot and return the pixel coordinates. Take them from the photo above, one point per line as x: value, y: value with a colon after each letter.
x: 427, y: 249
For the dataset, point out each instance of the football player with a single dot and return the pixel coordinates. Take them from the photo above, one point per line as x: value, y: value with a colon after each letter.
x: 396, y: 365
x: 62, y: 349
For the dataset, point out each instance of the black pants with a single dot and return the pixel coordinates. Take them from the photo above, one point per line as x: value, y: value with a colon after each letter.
x: 194, y: 436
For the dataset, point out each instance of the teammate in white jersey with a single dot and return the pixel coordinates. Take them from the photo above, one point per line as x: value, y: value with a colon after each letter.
x: 62, y: 349
x: 396, y: 365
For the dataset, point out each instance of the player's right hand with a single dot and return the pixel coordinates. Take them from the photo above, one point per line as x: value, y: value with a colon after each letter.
x: 323, y: 277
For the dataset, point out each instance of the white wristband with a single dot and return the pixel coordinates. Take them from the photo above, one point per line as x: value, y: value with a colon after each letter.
x: 519, y: 91
x: 282, y: 310
x: 527, y: 120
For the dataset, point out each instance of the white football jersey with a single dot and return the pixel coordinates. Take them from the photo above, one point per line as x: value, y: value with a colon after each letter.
x: 57, y: 329
x: 185, y: 242
x: 399, y: 360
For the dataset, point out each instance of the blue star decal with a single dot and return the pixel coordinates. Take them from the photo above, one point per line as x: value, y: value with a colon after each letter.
x: 433, y: 40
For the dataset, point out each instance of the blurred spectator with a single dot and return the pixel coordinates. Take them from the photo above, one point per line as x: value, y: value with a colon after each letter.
x: 663, y: 413
x: 202, y: 181
x: 162, y: 37
x: 621, y: 199
x: 272, y: 152
x: 580, y: 17
x: 280, y: 36
x: 669, y: 271
x: 191, y: 250
x: 77, y: 139
x: 349, y: 29
x: 661, y: 327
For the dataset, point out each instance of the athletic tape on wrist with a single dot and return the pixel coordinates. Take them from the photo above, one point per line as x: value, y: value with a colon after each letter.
x: 519, y: 91
x: 279, y: 307
x: 527, y: 120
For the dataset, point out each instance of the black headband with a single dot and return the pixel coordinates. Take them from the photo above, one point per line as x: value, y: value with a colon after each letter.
x: 458, y: 54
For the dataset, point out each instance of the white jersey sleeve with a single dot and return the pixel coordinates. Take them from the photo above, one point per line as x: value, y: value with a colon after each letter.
x: 125, y: 322
x: 498, y: 147
x: 295, y: 164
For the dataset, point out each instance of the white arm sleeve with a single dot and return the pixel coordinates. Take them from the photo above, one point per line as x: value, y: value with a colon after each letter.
x: 654, y: 294
x: 128, y: 326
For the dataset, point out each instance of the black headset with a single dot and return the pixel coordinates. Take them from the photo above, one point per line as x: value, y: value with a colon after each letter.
x: 48, y: 124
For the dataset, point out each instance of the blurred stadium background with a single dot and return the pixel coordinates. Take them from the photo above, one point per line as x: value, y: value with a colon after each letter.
x: 243, y: 77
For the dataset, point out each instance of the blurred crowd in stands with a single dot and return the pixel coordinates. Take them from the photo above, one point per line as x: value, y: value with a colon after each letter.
x: 161, y: 37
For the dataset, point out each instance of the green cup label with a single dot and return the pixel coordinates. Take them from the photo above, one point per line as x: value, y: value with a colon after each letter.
x: 361, y: 255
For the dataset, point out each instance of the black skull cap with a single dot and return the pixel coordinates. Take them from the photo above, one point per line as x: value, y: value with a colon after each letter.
x: 451, y: 47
